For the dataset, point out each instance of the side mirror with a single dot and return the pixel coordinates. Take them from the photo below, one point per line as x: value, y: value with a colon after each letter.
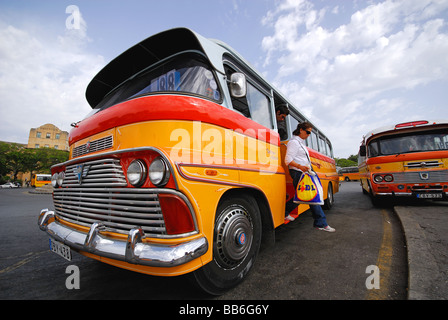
x: 238, y: 86
x: 362, y: 151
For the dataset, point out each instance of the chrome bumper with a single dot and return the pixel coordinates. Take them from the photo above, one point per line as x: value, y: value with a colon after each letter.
x: 133, y: 250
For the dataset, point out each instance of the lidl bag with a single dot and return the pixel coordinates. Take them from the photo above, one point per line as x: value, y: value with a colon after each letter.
x: 309, y: 189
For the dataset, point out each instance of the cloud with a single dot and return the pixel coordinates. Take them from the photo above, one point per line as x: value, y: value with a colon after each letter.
x: 43, y: 78
x: 352, y: 70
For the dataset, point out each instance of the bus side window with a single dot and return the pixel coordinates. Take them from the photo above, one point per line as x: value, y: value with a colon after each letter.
x: 313, y: 142
x: 329, y: 150
x: 293, y: 125
x: 322, y: 146
x: 259, y: 106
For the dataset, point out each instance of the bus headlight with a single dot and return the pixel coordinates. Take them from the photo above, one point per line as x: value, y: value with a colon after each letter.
x: 136, y: 173
x: 60, y: 179
x: 159, y: 173
x: 378, y: 178
x: 54, y: 180
x: 388, y: 178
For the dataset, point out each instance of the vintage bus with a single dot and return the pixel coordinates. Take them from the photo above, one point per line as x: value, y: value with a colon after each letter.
x: 40, y: 179
x: 408, y: 159
x: 349, y: 173
x: 178, y: 168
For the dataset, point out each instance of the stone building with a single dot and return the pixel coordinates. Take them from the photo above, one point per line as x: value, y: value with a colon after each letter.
x: 48, y: 136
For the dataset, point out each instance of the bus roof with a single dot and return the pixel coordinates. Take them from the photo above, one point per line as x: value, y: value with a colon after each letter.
x: 144, y: 54
x: 404, y: 125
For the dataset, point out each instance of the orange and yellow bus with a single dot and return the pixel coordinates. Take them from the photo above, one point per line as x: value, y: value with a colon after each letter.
x: 408, y: 159
x: 179, y: 166
x: 349, y: 173
x: 40, y: 179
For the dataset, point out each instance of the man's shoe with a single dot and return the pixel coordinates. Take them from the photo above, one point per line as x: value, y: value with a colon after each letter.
x: 328, y: 229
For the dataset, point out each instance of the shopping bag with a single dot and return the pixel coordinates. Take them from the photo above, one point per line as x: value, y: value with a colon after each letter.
x: 309, y: 189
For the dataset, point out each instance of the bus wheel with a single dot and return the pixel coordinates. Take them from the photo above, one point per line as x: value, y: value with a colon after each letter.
x: 328, y: 203
x: 237, y: 238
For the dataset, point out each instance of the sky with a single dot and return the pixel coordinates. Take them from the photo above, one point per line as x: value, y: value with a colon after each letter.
x: 350, y: 66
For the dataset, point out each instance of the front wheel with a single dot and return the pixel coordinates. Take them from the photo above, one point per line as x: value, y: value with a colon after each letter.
x: 328, y: 203
x: 236, y: 241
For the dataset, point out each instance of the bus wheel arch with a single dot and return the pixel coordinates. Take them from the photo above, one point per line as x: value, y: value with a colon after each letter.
x: 239, y: 225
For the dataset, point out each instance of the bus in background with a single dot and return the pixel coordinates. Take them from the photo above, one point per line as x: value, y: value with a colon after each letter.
x: 179, y: 167
x: 408, y: 159
x: 40, y: 179
x: 349, y: 173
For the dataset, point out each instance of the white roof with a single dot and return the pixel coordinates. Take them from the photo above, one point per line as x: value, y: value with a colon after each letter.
x: 405, y: 125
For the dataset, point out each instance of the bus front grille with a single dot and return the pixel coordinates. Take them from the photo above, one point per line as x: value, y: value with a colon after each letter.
x: 119, y: 209
x: 435, y: 176
x: 97, y: 173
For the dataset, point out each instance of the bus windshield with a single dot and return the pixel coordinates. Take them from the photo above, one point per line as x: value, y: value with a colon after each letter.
x: 411, y: 142
x: 184, y: 73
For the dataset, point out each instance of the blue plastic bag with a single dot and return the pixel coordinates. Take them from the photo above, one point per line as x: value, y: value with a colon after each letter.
x: 309, y: 189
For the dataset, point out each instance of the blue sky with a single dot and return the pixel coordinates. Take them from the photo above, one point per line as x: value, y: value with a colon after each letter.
x: 350, y: 66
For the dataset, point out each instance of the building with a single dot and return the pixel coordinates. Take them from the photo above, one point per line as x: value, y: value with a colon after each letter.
x: 48, y: 136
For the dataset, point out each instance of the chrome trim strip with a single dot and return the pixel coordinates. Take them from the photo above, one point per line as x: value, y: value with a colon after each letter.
x: 404, y: 194
x: 133, y: 250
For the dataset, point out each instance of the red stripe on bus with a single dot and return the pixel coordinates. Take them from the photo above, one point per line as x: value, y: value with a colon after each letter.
x: 408, y: 157
x: 170, y: 107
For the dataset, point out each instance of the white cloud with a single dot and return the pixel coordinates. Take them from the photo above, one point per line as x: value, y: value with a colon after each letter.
x: 43, y: 79
x: 347, y: 73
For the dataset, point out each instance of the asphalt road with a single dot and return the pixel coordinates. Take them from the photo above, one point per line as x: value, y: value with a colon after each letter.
x: 303, y: 264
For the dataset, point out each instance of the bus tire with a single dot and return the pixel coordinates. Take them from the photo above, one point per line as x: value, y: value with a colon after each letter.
x: 328, y: 203
x: 236, y: 241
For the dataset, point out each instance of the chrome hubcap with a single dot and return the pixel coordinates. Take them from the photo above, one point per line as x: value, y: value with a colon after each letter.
x: 233, y: 237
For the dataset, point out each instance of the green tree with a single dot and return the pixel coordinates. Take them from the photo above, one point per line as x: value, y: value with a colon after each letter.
x: 15, y: 158
x: 352, y: 161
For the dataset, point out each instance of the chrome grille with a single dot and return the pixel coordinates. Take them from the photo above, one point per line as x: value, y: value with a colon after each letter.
x: 97, y: 173
x: 423, y: 164
x: 119, y: 209
x: 93, y: 146
x: 437, y: 176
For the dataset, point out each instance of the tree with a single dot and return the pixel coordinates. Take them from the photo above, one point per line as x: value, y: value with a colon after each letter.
x: 13, y: 163
x: 15, y: 158
x: 352, y: 161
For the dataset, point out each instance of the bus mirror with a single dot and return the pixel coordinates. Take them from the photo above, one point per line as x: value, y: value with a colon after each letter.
x: 362, y: 151
x: 238, y: 85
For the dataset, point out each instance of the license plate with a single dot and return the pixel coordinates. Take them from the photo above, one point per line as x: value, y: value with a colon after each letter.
x: 429, y: 195
x: 61, y: 249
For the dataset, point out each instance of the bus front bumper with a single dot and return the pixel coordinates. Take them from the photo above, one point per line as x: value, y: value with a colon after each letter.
x: 418, y: 195
x: 133, y: 250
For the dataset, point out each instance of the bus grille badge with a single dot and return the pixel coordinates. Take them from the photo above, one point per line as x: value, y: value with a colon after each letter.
x: 81, y: 172
x: 424, y: 175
